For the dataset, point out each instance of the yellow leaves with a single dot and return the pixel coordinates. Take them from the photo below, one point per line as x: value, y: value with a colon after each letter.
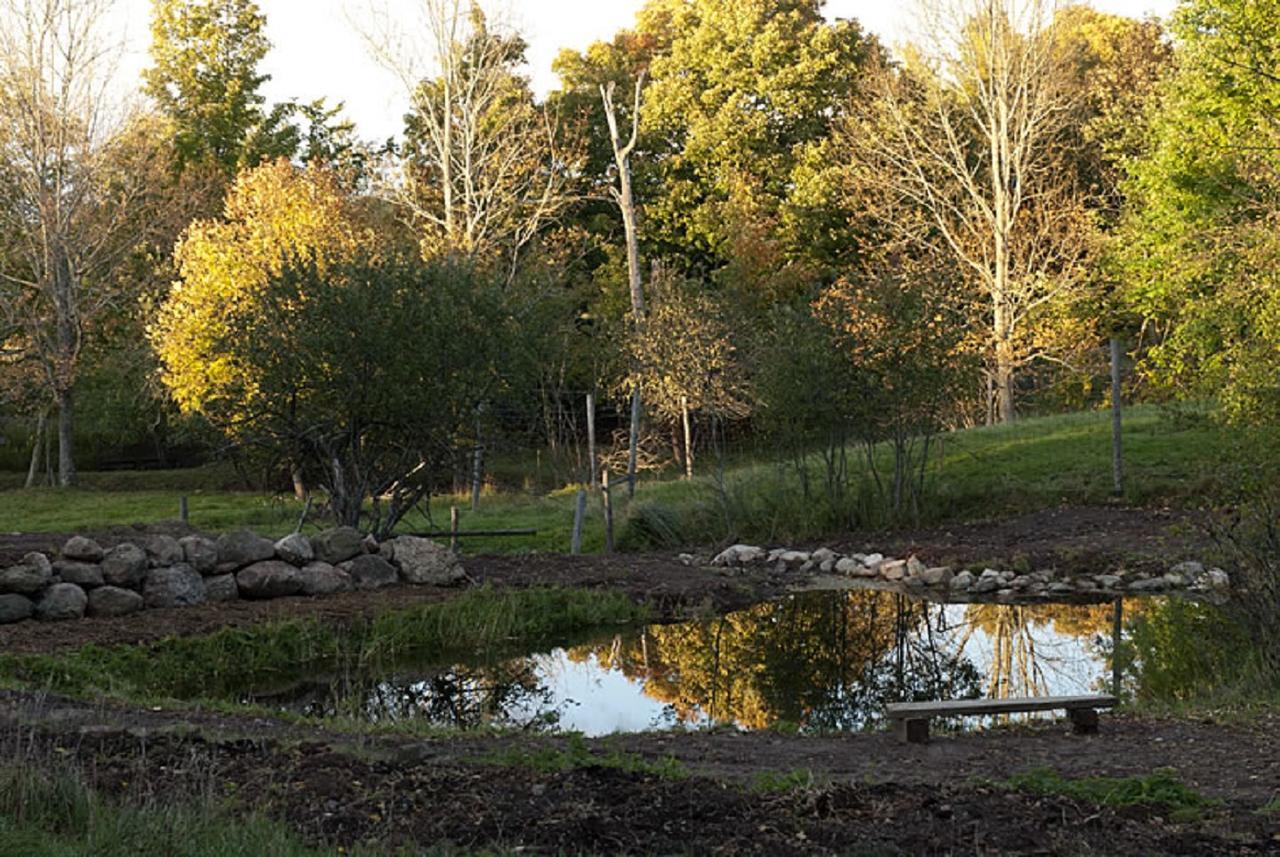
x: 274, y: 213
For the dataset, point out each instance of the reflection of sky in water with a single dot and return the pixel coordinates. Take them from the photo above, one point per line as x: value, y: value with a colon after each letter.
x: 580, y: 694
x: 594, y: 700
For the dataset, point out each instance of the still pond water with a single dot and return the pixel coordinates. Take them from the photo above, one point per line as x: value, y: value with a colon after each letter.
x: 815, y: 661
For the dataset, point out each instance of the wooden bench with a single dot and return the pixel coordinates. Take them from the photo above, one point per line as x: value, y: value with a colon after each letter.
x: 911, y: 719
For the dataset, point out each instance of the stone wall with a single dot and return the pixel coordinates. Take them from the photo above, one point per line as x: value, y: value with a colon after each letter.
x: 985, y: 584
x: 161, y: 571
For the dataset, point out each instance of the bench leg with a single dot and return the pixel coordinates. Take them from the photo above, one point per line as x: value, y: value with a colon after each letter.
x: 1084, y: 721
x: 912, y: 730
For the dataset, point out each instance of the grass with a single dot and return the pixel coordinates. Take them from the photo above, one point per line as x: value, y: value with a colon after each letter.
x: 233, y: 660
x: 1032, y: 464
x: 1160, y: 789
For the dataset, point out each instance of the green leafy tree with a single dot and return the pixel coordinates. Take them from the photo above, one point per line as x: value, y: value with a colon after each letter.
x: 1199, y: 252
x: 205, y: 78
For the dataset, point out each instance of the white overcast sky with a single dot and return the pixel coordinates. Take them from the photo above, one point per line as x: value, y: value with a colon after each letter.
x: 317, y: 54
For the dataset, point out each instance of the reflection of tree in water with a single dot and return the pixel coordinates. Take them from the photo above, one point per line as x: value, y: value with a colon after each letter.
x: 464, y: 697
x: 825, y: 660
x: 1017, y: 666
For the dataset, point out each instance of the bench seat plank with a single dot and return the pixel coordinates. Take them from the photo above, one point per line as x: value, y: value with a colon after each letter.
x: 976, y: 707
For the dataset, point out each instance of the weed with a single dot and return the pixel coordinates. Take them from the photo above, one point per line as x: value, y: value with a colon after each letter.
x: 1161, y: 788
x: 774, y: 782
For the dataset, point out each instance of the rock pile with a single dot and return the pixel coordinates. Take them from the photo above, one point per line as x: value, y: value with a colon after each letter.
x: 911, y: 574
x: 86, y: 580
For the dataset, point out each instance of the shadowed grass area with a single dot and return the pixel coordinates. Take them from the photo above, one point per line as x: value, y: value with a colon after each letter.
x: 1160, y: 788
x: 1029, y: 465
x: 223, y: 664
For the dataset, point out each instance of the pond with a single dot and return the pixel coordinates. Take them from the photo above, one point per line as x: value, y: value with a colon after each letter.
x: 814, y: 661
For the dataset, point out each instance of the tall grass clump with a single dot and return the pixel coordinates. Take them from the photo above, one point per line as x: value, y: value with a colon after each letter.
x: 235, y: 659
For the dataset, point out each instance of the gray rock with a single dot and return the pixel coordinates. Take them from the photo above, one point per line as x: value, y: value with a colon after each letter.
x: 962, y: 581
x: 86, y: 575
x: 320, y: 578
x: 986, y: 584
x: 1191, y: 569
x: 61, y: 602
x: 164, y: 550
x: 989, y: 573
x: 915, y: 567
x: 125, y: 566
x: 937, y: 576
x: 25, y: 579
x: 295, y: 549
x: 175, y: 586
x: 808, y: 566
x: 269, y: 579
x: 1218, y: 579
x: 1061, y: 588
x: 894, y: 569
x: 828, y: 566
x: 1107, y: 581
x: 871, y: 560
x: 914, y: 583
x: 1175, y: 581
x: 794, y: 557
x: 15, y: 608
x: 371, y: 572
x: 82, y: 549
x: 221, y: 587
x: 200, y: 553
x: 735, y: 555
x: 848, y: 566
x: 38, y: 561
x: 243, y: 548
x: 1152, y: 584
x: 109, y: 601
x: 338, y: 545
x: 821, y: 555
x: 423, y: 562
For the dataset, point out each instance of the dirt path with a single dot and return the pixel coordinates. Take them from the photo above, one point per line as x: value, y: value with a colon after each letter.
x: 866, y: 790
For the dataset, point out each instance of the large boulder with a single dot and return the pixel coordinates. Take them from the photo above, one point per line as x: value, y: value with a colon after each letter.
x: 269, y: 579
x: 200, y: 553
x: 175, y: 586
x: 25, y: 579
x: 243, y: 548
x: 86, y: 575
x: 424, y: 562
x: 295, y: 549
x: 338, y: 545
x: 125, y: 567
x: 61, y: 602
x: 371, y: 572
x: 82, y: 549
x: 320, y: 578
x: 109, y: 601
x: 221, y: 587
x: 15, y: 608
x: 164, y: 550
x: 739, y: 555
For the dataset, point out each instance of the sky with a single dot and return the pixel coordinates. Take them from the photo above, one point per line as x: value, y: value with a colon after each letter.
x: 317, y: 52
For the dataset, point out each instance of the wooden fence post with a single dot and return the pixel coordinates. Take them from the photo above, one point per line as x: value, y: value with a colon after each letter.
x: 608, y: 512
x: 183, y: 511
x: 453, y: 528
x: 579, y: 513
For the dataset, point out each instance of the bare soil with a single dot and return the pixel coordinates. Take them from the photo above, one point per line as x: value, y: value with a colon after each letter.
x: 861, y: 794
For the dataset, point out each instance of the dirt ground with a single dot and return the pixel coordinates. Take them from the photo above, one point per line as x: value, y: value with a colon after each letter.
x: 856, y: 794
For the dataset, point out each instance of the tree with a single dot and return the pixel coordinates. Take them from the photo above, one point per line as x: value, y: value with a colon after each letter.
x: 968, y: 132
x: 79, y: 188
x: 205, y: 78
x: 684, y: 360
x: 1198, y: 249
x: 483, y: 169
x: 296, y: 331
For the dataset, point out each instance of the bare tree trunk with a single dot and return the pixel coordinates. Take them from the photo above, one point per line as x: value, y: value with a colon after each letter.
x: 1117, y: 417
x: 477, y: 464
x: 66, y: 440
x: 625, y: 198
x: 591, y: 436
x: 37, y: 445
x: 688, y: 437
x: 299, y: 484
